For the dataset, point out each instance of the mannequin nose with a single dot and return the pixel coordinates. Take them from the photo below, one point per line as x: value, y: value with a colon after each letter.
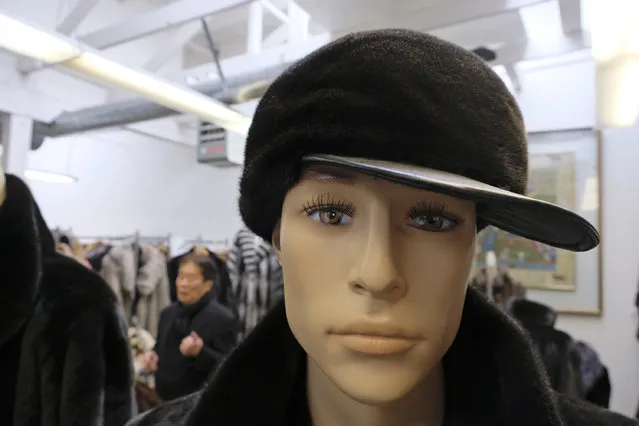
x: 376, y: 272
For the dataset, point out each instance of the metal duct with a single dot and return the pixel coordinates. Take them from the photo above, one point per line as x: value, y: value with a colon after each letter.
x: 234, y: 90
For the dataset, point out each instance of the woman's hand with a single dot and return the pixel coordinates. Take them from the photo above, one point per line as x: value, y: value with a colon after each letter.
x: 150, y: 362
x: 191, y: 345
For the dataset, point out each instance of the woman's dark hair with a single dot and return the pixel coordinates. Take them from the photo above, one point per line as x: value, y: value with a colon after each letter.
x: 205, y: 263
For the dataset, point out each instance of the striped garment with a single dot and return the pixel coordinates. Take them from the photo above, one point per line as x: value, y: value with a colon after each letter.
x: 256, y: 278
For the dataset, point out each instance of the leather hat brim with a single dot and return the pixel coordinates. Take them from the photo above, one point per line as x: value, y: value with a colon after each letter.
x: 530, y: 218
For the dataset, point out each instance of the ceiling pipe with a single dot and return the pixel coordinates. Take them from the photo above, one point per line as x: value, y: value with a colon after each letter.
x: 233, y: 90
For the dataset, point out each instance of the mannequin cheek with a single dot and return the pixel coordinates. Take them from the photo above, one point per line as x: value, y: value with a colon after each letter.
x: 308, y: 301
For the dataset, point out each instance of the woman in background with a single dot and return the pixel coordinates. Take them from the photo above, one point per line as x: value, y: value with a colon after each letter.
x: 194, y: 334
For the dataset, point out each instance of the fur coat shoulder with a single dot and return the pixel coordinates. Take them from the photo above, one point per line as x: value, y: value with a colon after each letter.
x: 493, y: 377
x: 118, y: 270
x: 152, y: 284
x: 63, y: 339
x: 143, y: 271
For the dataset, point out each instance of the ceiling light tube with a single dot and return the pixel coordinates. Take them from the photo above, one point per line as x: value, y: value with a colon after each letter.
x: 50, y: 177
x: 28, y: 40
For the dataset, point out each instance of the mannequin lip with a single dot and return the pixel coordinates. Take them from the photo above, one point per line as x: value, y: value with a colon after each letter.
x: 376, y: 345
x: 384, y: 330
x: 378, y: 339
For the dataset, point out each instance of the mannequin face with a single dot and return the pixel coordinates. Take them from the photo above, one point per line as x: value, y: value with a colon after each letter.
x: 190, y: 283
x: 365, y: 259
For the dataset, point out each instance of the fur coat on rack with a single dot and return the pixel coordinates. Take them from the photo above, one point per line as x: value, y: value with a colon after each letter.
x: 256, y: 278
x: 128, y: 272
x: 64, y: 350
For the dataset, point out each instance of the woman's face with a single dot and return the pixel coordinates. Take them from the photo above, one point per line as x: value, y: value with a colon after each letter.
x: 190, y: 283
x: 375, y: 276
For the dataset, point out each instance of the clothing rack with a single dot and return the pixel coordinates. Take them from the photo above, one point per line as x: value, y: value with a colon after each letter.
x: 135, y: 238
x: 199, y: 241
x: 149, y: 239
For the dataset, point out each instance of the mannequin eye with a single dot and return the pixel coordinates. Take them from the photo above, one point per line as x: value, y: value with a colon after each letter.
x: 432, y: 217
x: 433, y: 223
x: 328, y: 210
x: 331, y: 217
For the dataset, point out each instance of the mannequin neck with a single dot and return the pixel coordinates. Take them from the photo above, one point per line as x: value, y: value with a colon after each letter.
x: 329, y: 406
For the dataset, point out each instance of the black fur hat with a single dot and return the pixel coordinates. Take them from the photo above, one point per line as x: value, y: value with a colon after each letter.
x: 394, y: 95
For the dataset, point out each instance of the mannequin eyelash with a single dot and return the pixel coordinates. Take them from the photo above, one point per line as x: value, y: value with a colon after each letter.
x: 327, y: 201
x: 432, y: 208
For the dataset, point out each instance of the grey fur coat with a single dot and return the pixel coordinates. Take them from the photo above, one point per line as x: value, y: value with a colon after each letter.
x: 129, y: 271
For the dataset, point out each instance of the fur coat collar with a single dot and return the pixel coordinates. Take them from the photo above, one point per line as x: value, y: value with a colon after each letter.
x: 494, y: 376
x: 19, y: 245
x: 63, y: 342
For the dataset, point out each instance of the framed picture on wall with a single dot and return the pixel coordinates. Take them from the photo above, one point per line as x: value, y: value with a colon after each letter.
x: 564, y: 169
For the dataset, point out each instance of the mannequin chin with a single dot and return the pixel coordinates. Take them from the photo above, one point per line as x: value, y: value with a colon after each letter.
x: 364, y: 258
x: 379, y: 384
x: 2, y: 186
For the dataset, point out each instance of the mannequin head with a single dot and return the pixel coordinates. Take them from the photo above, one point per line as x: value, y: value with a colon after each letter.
x: 364, y: 256
x: 195, y: 278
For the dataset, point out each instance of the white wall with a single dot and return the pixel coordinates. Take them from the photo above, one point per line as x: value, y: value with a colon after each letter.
x: 614, y: 335
x: 127, y: 181
x: 563, y: 97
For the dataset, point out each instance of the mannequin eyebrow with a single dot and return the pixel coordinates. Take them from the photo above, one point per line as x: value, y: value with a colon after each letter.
x: 329, y: 176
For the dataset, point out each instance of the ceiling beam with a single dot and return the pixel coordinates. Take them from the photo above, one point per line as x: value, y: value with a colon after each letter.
x: 275, y: 57
x: 176, y: 41
x: 449, y: 14
x: 513, y: 76
x: 255, y: 27
x: 66, y: 27
x: 278, y: 36
x: 570, y: 13
x: 75, y: 17
x: 533, y: 50
x: 145, y: 24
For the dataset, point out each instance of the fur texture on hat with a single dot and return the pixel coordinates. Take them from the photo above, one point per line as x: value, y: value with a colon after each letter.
x: 394, y: 95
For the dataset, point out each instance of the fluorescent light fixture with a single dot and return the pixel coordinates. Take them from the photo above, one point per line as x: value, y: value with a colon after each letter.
x: 27, y: 40
x: 159, y: 90
x: 615, y: 47
x: 42, y: 176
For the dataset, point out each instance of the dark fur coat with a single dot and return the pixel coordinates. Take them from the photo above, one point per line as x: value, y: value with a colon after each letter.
x: 493, y: 378
x: 64, y: 348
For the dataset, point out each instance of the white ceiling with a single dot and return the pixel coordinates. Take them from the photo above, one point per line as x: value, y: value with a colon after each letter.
x: 517, y: 29
x: 470, y: 23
